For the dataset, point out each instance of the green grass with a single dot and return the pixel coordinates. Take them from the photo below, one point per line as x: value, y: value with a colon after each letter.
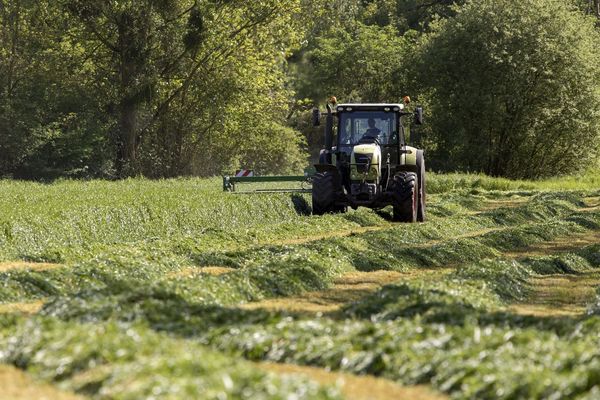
x: 109, y: 362
x: 447, y: 182
x: 126, y: 307
x: 272, y: 271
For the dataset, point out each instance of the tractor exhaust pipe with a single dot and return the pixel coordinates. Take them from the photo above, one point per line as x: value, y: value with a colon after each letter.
x: 329, y: 129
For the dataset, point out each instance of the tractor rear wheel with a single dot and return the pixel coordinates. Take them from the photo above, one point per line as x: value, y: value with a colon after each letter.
x: 406, y: 197
x: 325, y: 189
x: 421, y: 180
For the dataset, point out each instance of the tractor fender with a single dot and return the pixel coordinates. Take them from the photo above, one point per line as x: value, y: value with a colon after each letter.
x: 409, y: 156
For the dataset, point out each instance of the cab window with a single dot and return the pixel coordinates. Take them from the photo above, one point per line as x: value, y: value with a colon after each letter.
x: 378, y: 124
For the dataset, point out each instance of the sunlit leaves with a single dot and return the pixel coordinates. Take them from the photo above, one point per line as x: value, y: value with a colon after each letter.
x: 515, y: 88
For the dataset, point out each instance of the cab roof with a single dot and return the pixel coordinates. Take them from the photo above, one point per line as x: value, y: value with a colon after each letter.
x: 370, y: 106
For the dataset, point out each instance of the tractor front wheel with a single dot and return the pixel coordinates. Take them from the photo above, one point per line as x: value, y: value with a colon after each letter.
x: 406, y: 197
x: 325, y: 188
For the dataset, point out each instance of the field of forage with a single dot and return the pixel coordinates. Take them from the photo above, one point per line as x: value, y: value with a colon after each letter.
x: 175, y: 290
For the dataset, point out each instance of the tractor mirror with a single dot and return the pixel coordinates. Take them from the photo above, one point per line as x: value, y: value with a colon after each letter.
x: 316, y: 117
x: 419, y: 116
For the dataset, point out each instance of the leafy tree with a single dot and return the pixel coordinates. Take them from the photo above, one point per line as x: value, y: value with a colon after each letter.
x: 140, y: 45
x: 49, y: 125
x: 514, y: 88
x: 173, y: 68
x: 357, y: 65
x: 15, y: 103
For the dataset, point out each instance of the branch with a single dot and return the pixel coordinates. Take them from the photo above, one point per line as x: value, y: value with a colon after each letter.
x: 220, y: 49
x: 101, y: 38
x: 187, y: 11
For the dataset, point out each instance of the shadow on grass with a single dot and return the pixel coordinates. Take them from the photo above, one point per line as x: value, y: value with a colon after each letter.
x: 301, y: 206
x: 166, y: 311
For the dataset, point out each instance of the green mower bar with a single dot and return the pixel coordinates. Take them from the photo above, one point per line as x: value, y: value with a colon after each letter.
x: 229, y: 183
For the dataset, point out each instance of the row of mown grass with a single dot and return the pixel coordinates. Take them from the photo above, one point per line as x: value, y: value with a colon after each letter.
x: 111, y: 361
x: 270, y: 271
x: 71, y: 221
x: 121, y: 322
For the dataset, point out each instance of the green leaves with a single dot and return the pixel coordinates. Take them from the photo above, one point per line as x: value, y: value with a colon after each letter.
x: 356, y: 65
x: 515, y: 88
x: 160, y: 88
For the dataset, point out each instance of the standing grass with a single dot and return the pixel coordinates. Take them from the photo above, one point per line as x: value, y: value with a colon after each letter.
x: 131, y: 296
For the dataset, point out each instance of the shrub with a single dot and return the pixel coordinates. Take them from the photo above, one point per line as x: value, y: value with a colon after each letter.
x: 514, y: 88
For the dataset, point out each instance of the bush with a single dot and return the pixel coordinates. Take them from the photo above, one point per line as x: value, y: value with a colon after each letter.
x: 514, y: 88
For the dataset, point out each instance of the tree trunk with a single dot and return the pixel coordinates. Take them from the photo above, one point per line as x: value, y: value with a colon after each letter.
x: 127, y: 144
x: 129, y: 71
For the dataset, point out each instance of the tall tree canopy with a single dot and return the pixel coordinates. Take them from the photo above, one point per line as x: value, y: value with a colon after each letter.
x: 165, y: 88
x: 158, y: 87
x: 514, y: 88
x: 174, y: 68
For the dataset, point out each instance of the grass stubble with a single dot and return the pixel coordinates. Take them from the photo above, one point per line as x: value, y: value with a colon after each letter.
x: 495, y: 297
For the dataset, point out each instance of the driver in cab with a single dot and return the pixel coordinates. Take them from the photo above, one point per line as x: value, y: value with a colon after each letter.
x: 372, y: 132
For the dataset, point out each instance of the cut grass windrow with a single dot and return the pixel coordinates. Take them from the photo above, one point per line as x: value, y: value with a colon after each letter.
x: 155, y: 296
x: 107, y: 361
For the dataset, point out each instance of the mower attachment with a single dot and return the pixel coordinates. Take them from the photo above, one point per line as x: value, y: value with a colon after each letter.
x: 229, y: 183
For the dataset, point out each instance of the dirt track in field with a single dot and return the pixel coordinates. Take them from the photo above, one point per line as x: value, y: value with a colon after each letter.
x: 357, y: 387
x: 559, y: 245
x: 559, y: 295
x: 348, y: 288
x: 29, y: 308
x: 24, y: 265
x: 17, y: 385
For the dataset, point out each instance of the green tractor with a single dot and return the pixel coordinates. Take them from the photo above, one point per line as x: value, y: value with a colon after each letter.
x: 370, y: 164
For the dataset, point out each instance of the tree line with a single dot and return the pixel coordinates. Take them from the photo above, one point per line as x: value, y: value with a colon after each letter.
x: 166, y: 88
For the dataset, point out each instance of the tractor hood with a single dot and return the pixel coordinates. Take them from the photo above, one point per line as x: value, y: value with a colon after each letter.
x: 366, y: 162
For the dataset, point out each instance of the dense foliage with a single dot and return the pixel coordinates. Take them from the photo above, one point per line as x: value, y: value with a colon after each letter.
x: 527, y: 101
x: 183, y: 87
x: 159, y: 88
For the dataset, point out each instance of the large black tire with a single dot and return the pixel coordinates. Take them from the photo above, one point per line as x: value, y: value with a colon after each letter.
x: 326, y: 187
x: 421, y: 179
x: 406, y: 195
